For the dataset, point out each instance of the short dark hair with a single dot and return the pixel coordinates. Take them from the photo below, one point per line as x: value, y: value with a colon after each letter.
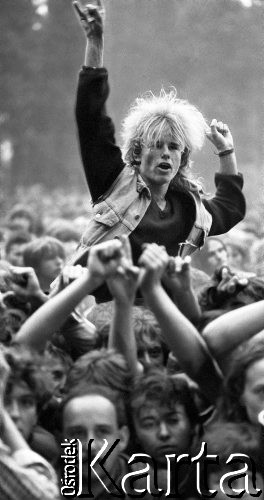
x: 42, y: 248
x: 164, y: 390
x: 59, y: 354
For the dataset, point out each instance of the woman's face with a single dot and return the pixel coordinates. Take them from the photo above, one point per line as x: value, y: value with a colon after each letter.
x: 162, y: 430
x: 216, y: 254
x: 253, y: 394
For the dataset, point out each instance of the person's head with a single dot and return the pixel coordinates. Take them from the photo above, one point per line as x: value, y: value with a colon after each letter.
x: 159, y: 134
x: 15, y: 309
x: 216, y: 253
x: 237, y: 255
x: 22, y: 217
x: 14, y: 247
x: 58, y: 364
x: 227, y: 438
x: 27, y: 388
x: 151, y: 350
x: 164, y: 415
x: 95, y: 412
x: 66, y: 232
x: 243, y: 396
x: 46, y: 255
x: 101, y: 367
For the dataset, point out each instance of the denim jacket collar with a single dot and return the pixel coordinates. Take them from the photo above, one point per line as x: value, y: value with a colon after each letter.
x: 142, y: 186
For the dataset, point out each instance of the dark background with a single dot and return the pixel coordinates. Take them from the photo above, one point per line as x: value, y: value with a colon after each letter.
x: 210, y: 50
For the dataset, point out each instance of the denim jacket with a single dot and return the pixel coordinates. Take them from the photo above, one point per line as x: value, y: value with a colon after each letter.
x: 121, y: 208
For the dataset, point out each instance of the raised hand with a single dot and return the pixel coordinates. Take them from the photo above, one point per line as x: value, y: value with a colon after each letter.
x: 153, y: 260
x: 25, y: 282
x: 123, y: 286
x: 220, y: 135
x: 230, y: 283
x: 177, y: 275
x: 110, y: 259
x: 91, y: 18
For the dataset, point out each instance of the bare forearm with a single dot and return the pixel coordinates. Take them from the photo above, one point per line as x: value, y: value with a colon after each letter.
x: 94, y: 53
x: 228, y: 164
x: 181, y: 336
x: 122, y: 337
x: 188, y: 304
x: 37, y: 330
x: 229, y: 330
x: 186, y: 343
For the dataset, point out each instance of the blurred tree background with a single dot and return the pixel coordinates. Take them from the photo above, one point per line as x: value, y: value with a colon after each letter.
x: 210, y: 50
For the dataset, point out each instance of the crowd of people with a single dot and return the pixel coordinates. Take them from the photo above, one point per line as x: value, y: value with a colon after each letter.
x: 132, y: 344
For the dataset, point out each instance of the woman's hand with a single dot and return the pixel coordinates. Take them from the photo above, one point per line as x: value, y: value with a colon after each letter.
x: 220, y: 135
x: 91, y: 18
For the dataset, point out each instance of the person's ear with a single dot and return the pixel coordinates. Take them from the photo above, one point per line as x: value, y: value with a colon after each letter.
x: 185, y: 157
x: 124, y: 437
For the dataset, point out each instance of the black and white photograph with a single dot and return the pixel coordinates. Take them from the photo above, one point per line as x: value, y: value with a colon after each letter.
x: 131, y: 249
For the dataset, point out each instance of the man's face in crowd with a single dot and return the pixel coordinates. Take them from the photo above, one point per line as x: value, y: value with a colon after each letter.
x: 22, y: 407
x: 58, y: 374
x: 150, y: 352
x: 94, y: 417
x: 49, y: 268
x: 162, y: 430
x: 15, y: 254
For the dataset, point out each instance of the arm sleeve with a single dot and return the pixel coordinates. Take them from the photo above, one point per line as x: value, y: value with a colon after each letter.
x: 228, y: 206
x: 27, y: 476
x: 101, y: 157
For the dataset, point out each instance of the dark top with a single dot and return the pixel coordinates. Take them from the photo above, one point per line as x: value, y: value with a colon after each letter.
x: 102, y: 161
